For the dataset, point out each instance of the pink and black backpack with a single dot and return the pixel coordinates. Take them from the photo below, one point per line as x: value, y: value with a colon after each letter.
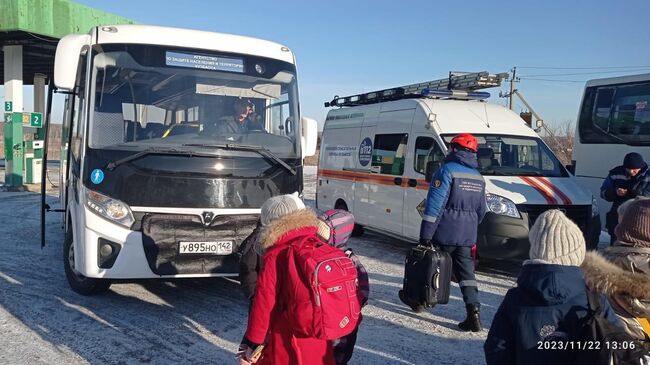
x: 341, y: 224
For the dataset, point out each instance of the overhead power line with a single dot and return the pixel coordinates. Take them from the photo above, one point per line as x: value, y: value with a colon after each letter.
x: 551, y: 80
x: 582, y: 68
x: 589, y: 73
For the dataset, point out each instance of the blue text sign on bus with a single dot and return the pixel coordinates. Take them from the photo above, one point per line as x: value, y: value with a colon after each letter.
x: 365, y: 151
x: 204, y: 62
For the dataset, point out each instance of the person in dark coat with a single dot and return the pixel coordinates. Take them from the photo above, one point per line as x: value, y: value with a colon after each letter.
x: 251, y: 262
x: 623, y: 183
x: 454, y: 208
x: 550, y: 300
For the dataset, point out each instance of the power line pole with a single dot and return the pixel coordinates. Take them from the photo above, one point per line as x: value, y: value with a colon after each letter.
x: 512, y: 86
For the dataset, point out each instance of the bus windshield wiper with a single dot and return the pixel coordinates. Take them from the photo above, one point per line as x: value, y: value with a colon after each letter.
x: 264, y: 152
x: 155, y: 151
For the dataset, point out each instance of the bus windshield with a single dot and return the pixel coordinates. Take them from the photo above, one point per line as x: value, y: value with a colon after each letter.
x: 501, y: 155
x: 151, y: 97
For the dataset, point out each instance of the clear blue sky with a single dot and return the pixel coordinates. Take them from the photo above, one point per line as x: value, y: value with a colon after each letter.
x: 345, y: 47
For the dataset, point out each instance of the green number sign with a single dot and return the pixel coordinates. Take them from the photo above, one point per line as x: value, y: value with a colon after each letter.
x: 8, y: 117
x: 36, y: 120
x: 8, y: 106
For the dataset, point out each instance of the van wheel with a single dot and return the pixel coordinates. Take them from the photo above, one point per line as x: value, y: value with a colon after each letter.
x: 79, y: 283
x: 358, y: 230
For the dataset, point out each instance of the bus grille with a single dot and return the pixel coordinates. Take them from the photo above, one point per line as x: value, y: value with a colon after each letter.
x: 162, y: 233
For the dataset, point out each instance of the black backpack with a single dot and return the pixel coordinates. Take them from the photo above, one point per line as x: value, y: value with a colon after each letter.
x: 602, y: 342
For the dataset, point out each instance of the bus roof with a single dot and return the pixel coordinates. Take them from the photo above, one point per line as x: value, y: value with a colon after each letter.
x: 188, y: 38
x: 618, y: 80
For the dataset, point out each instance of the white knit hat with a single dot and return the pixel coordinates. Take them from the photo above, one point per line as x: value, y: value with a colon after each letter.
x: 279, y: 206
x: 555, y: 239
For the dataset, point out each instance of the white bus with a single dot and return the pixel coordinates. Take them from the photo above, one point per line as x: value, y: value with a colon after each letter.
x: 159, y: 176
x: 614, y: 119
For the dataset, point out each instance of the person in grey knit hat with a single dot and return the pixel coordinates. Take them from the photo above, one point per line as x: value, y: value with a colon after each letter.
x: 250, y: 252
x: 277, y: 315
x: 280, y: 206
x: 555, y: 239
x: 550, y: 299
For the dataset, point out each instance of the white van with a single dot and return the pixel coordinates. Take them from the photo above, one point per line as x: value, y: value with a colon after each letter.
x: 379, y: 150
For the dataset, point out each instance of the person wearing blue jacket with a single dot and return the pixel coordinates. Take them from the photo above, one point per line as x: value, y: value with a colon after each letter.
x: 454, y: 208
x: 549, y: 302
x: 623, y: 183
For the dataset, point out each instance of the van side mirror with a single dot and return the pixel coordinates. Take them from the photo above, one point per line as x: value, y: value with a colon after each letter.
x: 66, y: 60
x: 571, y: 168
x: 431, y: 168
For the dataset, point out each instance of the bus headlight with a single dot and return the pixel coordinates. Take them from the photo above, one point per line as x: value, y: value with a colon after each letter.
x: 500, y: 205
x: 109, y: 208
x: 594, y: 207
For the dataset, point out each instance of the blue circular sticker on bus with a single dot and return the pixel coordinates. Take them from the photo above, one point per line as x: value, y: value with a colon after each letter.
x: 365, y: 151
x: 97, y: 176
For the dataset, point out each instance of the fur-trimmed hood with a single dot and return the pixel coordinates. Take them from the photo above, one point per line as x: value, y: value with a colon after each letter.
x: 278, y: 228
x: 607, y: 278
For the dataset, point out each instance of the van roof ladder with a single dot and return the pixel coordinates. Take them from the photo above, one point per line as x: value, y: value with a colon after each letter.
x: 458, y: 85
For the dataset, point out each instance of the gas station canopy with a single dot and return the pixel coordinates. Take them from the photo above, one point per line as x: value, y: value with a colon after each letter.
x: 37, y: 25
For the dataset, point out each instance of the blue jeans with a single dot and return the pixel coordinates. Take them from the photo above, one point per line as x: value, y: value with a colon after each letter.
x: 463, y: 268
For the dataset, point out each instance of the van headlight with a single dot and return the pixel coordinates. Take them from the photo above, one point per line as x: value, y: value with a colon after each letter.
x: 109, y: 208
x: 500, y: 205
x: 594, y: 207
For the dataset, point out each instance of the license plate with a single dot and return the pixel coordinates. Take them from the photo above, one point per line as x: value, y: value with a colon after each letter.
x: 211, y: 248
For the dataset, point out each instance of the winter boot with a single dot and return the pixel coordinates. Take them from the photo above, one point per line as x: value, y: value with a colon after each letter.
x: 473, y: 321
x: 417, y: 308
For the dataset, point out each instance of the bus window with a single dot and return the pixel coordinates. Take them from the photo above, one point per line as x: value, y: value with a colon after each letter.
x: 615, y: 114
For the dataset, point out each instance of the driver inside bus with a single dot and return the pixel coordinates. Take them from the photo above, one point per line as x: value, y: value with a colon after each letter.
x: 243, y: 120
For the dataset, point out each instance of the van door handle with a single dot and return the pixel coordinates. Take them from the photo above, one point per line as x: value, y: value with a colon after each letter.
x: 398, y: 181
x: 413, y: 183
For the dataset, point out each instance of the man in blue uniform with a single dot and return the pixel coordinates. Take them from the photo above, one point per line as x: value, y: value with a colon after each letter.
x: 623, y: 183
x: 454, y: 208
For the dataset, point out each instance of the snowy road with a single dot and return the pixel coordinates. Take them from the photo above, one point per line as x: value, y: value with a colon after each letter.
x: 199, y: 321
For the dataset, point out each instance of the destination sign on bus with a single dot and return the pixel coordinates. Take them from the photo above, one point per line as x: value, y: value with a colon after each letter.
x: 204, y: 62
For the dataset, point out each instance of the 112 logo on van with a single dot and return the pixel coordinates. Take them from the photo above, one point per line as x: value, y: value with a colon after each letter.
x: 365, y: 151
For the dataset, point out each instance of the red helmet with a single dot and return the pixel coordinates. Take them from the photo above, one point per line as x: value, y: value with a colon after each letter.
x: 466, y: 140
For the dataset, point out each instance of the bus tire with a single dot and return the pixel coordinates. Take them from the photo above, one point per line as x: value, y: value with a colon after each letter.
x: 79, y: 283
x: 358, y: 230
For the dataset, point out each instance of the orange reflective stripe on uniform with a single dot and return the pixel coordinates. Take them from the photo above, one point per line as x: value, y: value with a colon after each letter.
x: 645, y: 324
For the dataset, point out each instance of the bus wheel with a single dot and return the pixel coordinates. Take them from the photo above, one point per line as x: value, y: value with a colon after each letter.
x: 78, y: 282
x: 358, y: 230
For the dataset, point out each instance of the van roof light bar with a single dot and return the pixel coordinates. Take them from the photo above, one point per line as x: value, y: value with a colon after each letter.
x: 459, y: 85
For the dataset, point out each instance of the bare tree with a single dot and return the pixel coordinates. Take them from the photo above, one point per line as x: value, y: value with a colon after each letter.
x: 560, y: 139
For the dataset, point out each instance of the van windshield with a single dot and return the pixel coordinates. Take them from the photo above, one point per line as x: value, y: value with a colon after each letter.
x: 501, y: 155
x: 153, y: 97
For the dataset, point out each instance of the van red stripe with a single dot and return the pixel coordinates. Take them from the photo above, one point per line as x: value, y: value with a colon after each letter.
x: 565, y: 199
x: 550, y: 199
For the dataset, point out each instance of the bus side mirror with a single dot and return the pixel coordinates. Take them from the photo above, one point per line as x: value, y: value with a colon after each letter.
x: 309, y: 136
x: 66, y: 60
x: 431, y: 168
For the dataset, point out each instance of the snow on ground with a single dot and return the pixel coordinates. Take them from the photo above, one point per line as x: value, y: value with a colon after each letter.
x: 198, y: 321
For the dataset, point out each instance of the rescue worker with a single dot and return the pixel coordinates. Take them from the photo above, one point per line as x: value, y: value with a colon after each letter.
x: 623, y: 183
x: 454, y: 208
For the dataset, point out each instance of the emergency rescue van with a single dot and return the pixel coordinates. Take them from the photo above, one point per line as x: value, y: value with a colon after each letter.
x: 380, y: 149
